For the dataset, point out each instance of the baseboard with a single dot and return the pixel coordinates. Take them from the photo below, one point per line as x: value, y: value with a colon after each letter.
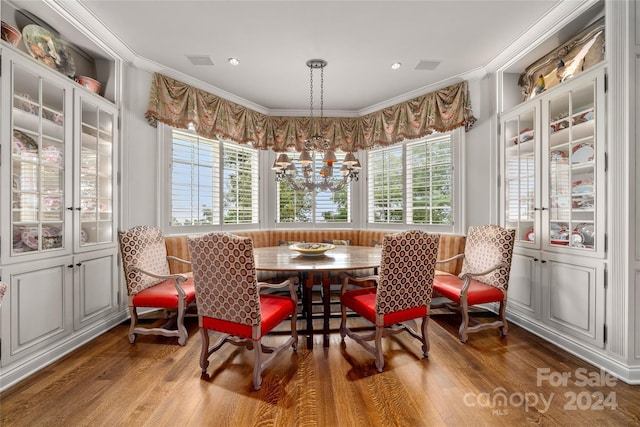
x: 596, y: 357
x: 17, y: 371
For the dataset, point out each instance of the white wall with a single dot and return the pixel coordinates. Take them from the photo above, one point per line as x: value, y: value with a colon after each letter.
x: 481, y: 158
x: 139, y: 150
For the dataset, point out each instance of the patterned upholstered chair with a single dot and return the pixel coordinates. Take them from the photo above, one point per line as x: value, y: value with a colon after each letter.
x: 403, y: 291
x: 229, y: 301
x: 3, y: 289
x: 149, y: 283
x: 484, y: 277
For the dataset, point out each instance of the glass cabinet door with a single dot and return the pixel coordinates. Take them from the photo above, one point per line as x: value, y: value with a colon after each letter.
x: 520, y: 174
x: 573, y: 170
x: 96, y: 166
x: 39, y: 181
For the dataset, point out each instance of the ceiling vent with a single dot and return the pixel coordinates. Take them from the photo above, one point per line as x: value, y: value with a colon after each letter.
x: 427, y: 65
x: 200, y: 59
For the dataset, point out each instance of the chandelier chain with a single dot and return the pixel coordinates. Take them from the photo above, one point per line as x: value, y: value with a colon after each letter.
x: 311, y: 92
x: 321, y: 92
x: 314, y: 146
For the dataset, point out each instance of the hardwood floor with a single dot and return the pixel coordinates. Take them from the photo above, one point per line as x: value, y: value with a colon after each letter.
x: 155, y: 382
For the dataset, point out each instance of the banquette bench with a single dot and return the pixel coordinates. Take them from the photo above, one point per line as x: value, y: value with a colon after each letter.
x: 450, y: 244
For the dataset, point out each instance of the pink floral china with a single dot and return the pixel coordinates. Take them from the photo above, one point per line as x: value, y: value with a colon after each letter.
x: 52, y: 237
x: 26, y: 103
x: 24, y: 145
x: 51, y: 203
x: 51, y: 154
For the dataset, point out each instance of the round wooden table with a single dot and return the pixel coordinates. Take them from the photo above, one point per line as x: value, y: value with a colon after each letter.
x: 342, y: 258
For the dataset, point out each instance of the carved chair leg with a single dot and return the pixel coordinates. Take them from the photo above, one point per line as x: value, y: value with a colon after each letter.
x: 204, y: 351
x: 425, y: 337
x: 257, y: 366
x: 182, y: 330
x: 501, y: 313
x: 464, y: 325
x: 379, y: 354
x: 294, y: 329
x: 134, y: 322
x: 343, y: 321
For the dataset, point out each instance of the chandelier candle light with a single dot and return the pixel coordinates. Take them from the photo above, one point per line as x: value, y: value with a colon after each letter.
x: 287, y: 171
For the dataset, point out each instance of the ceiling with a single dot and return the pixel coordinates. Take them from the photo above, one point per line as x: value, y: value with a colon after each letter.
x: 274, y: 39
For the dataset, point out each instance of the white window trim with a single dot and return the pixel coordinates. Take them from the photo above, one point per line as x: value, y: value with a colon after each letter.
x: 165, y: 136
x: 458, y: 174
x: 359, y: 207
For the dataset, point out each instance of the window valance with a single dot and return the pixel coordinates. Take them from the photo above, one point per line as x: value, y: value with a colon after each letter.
x: 178, y: 104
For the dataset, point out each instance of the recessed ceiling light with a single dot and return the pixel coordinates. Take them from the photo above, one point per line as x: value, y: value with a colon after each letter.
x: 233, y: 61
x: 396, y: 65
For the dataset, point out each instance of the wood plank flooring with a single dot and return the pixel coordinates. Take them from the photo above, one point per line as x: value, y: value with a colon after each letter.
x: 487, y: 381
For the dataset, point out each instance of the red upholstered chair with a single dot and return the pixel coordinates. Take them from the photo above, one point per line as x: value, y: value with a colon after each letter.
x: 403, y: 291
x: 484, y: 277
x: 229, y: 302
x: 149, y: 283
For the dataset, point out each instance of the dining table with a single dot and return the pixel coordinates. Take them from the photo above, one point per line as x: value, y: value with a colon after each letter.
x: 314, y: 267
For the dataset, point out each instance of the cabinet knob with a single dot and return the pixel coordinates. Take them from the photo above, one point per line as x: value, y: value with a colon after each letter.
x: 536, y: 259
x: 70, y: 266
x: 543, y: 261
x: 79, y: 264
x: 78, y: 209
x: 70, y: 208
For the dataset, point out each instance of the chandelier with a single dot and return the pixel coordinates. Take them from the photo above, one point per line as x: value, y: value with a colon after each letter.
x: 307, y: 180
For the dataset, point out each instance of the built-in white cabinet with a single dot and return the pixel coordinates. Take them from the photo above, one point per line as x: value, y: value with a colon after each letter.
x: 553, y: 172
x: 58, y: 214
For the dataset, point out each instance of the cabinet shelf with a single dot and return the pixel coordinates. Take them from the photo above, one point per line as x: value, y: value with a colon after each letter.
x: 574, y: 133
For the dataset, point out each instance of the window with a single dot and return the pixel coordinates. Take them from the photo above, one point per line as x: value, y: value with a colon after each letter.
x: 211, y: 182
x: 314, y: 206
x: 412, y: 183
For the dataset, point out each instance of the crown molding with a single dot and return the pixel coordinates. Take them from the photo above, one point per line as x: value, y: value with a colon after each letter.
x: 554, y: 20
x: 84, y: 20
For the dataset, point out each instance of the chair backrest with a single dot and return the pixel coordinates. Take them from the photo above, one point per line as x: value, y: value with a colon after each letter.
x: 224, y: 274
x: 3, y: 288
x: 143, y: 247
x: 488, y: 245
x: 406, y: 271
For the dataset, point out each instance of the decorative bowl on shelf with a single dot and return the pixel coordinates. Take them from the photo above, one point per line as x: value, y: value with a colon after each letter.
x: 47, y: 48
x: 312, y: 249
x: 10, y: 34
x: 91, y: 84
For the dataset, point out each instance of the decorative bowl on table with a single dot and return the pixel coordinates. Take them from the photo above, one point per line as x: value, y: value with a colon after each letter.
x: 312, y: 249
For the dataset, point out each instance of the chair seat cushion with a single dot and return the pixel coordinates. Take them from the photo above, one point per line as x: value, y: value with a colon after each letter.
x: 478, y: 293
x: 274, y: 309
x: 363, y: 302
x: 165, y: 295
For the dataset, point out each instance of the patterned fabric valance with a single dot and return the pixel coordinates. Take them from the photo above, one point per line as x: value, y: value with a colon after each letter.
x: 178, y: 104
